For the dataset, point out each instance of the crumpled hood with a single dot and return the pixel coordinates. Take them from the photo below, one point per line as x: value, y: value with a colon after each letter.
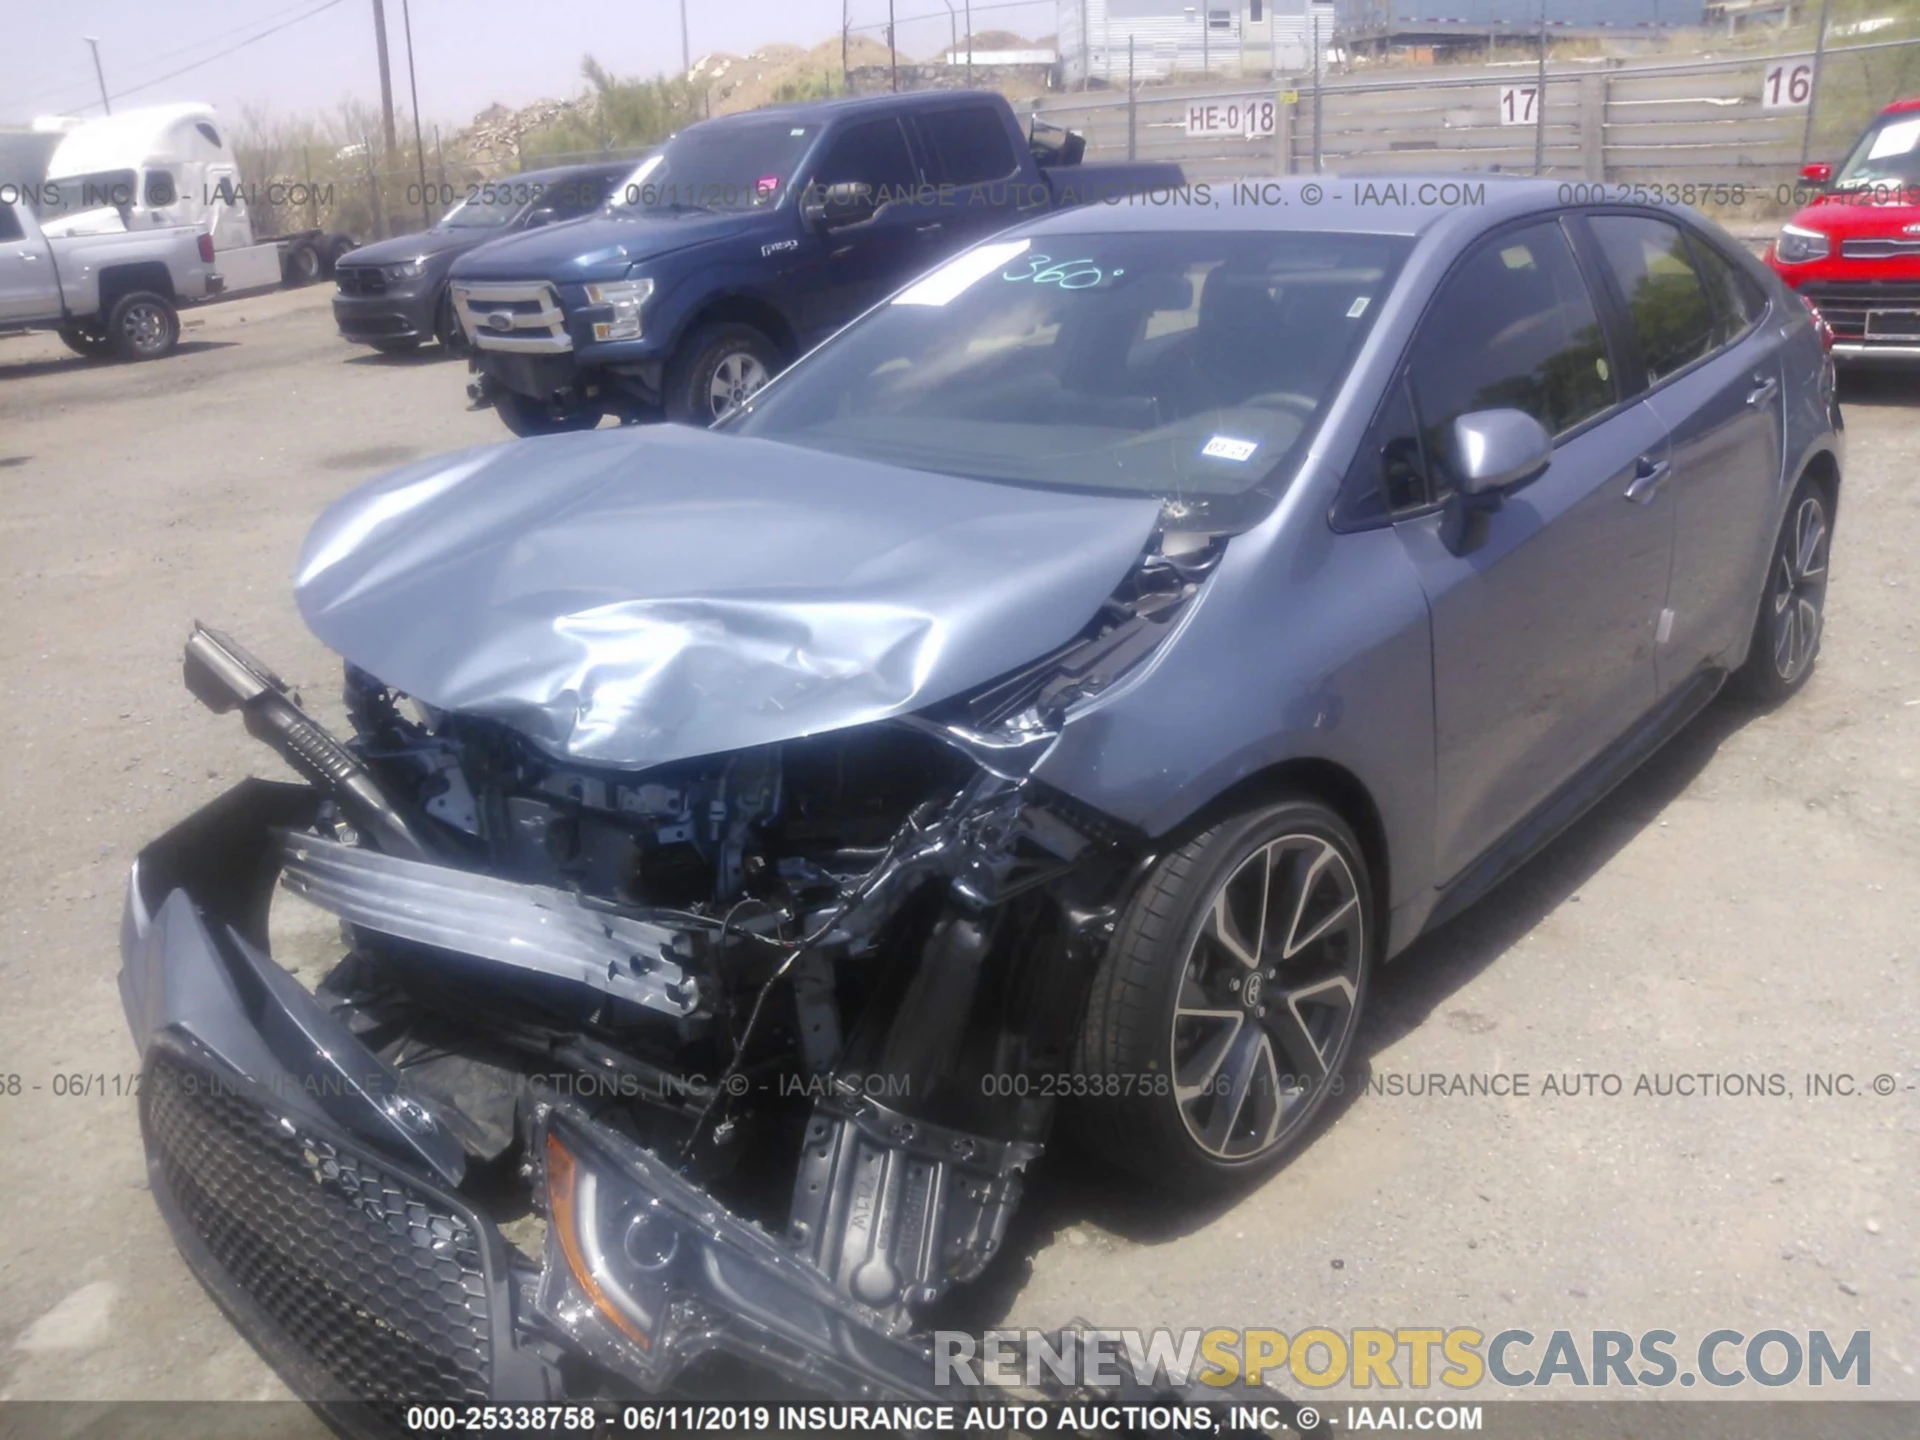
x: 599, y: 248
x: 630, y: 597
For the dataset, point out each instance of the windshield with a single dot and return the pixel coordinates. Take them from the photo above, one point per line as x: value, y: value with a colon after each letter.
x: 738, y: 165
x: 486, y: 207
x: 1189, y: 366
x: 1888, y: 154
x: 72, y: 194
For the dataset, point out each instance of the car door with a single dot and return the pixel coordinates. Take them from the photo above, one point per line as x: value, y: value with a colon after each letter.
x: 1714, y: 373
x: 29, y: 290
x: 847, y: 267
x: 971, y: 155
x: 1543, y: 608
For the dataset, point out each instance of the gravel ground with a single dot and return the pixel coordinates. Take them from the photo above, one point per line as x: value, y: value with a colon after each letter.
x: 1744, y: 905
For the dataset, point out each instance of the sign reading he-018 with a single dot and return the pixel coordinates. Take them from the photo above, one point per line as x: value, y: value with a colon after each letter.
x: 1251, y: 119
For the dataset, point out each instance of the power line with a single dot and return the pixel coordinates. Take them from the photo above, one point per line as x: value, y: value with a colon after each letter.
x: 942, y: 14
x: 204, y: 40
x: 205, y: 59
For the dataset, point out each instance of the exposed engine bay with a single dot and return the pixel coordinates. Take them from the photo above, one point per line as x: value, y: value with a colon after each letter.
x: 778, y: 1002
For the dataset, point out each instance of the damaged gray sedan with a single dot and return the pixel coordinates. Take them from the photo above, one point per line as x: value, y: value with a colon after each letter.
x: 1038, y: 711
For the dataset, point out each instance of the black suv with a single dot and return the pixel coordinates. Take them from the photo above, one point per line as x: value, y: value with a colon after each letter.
x: 393, y: 293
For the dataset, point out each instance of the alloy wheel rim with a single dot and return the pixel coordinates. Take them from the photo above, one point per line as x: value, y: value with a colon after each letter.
x: 736, y: 377
x: 144, y: 326
x: 1268, y: 995
x: 1799, y: 590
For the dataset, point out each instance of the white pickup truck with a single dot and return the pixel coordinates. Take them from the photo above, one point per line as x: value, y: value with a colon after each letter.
x: 107, y: 295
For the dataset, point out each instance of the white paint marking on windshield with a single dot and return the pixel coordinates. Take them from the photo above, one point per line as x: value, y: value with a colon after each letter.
x: 1225, y: 447
x: 952, y: 278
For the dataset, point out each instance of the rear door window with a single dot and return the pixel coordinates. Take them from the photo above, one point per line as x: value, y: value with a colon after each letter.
x: 968, y: 146
x: 1667, y: 303
x: 1513, y: 327
x: 1738, y: 301
x: 872, y: 154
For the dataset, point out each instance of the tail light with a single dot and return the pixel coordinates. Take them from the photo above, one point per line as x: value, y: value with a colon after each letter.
x: 206, y: 248
x: 1820, y: 325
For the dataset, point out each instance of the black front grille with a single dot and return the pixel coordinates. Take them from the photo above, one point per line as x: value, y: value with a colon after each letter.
x: 378, y: 1284
x: 360, y: 279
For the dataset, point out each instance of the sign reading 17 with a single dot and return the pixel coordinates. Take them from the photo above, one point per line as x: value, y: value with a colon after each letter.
x: 1519, y: 104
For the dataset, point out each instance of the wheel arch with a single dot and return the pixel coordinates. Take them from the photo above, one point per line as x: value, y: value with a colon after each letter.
x: 118, y: 280
x: 1824, y: 466
x: 741, y: 308
x: 1311, y: 778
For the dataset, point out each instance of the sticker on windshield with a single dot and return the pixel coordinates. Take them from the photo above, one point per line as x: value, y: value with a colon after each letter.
x: 1225, y: 447
x: 1359, y: 307
x: 952, y: 278
x: 1896, y: 139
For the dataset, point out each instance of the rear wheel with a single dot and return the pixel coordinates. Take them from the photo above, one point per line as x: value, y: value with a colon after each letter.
x: 142, y: 326
x: 304, y: 265
x: 717, y: 368
x: 1226, y: 1006
x: 527, y: 417
x: 1792, y: 618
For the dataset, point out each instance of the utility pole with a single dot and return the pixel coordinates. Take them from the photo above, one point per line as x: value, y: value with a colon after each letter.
x: 100, y: 75
x: 846, y: 28
x: 1540, y: 101
x: 386, y: 74
x: 953, y: 31
x: 893, y: 55
x: 1813, y: 96
x: 686, y: 52
x: 413, y: 90
x: 970, y: 38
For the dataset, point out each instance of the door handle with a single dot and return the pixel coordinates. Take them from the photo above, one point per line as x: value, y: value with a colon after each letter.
x: 1648, y: 476
x: 928, y: 232
x: 1766, y: 387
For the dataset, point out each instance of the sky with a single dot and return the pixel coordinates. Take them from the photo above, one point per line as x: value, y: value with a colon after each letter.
x: 467, y: 53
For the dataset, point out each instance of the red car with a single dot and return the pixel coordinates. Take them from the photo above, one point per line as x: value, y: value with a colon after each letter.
x: 1854, y: 253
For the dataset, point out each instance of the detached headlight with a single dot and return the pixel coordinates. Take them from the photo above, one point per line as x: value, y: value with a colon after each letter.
x: 408, y: 270
x: 624, y: 297
x: 611, y: 1253
x: 1797, y: 246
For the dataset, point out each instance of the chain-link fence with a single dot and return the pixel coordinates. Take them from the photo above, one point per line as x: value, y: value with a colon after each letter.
x: 1746, y: 122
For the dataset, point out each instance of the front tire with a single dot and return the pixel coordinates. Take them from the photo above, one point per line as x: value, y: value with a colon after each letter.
x: 715, y: 369
x: 1792, y: 618
x: 142, y: 326
x: 527, y: 417
x: 1224, y: 1012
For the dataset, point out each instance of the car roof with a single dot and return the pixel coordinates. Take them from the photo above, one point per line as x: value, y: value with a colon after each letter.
x: 557, y: 174
x: 1407, y: 205
x: 821, y: 110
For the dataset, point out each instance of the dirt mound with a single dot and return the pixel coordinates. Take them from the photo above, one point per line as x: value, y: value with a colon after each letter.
x: 777, y: 73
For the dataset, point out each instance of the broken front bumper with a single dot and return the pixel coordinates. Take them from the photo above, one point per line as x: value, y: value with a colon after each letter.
x: 319, y: 1202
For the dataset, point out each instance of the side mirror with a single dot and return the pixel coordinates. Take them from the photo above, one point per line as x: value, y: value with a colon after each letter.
x: 831, y: 206
x: 537, y: 218
x: 1495, y: 450
x: 1818, y: 173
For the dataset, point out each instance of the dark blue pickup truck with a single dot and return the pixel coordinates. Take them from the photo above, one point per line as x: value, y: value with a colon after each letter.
x: 746, y: 240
